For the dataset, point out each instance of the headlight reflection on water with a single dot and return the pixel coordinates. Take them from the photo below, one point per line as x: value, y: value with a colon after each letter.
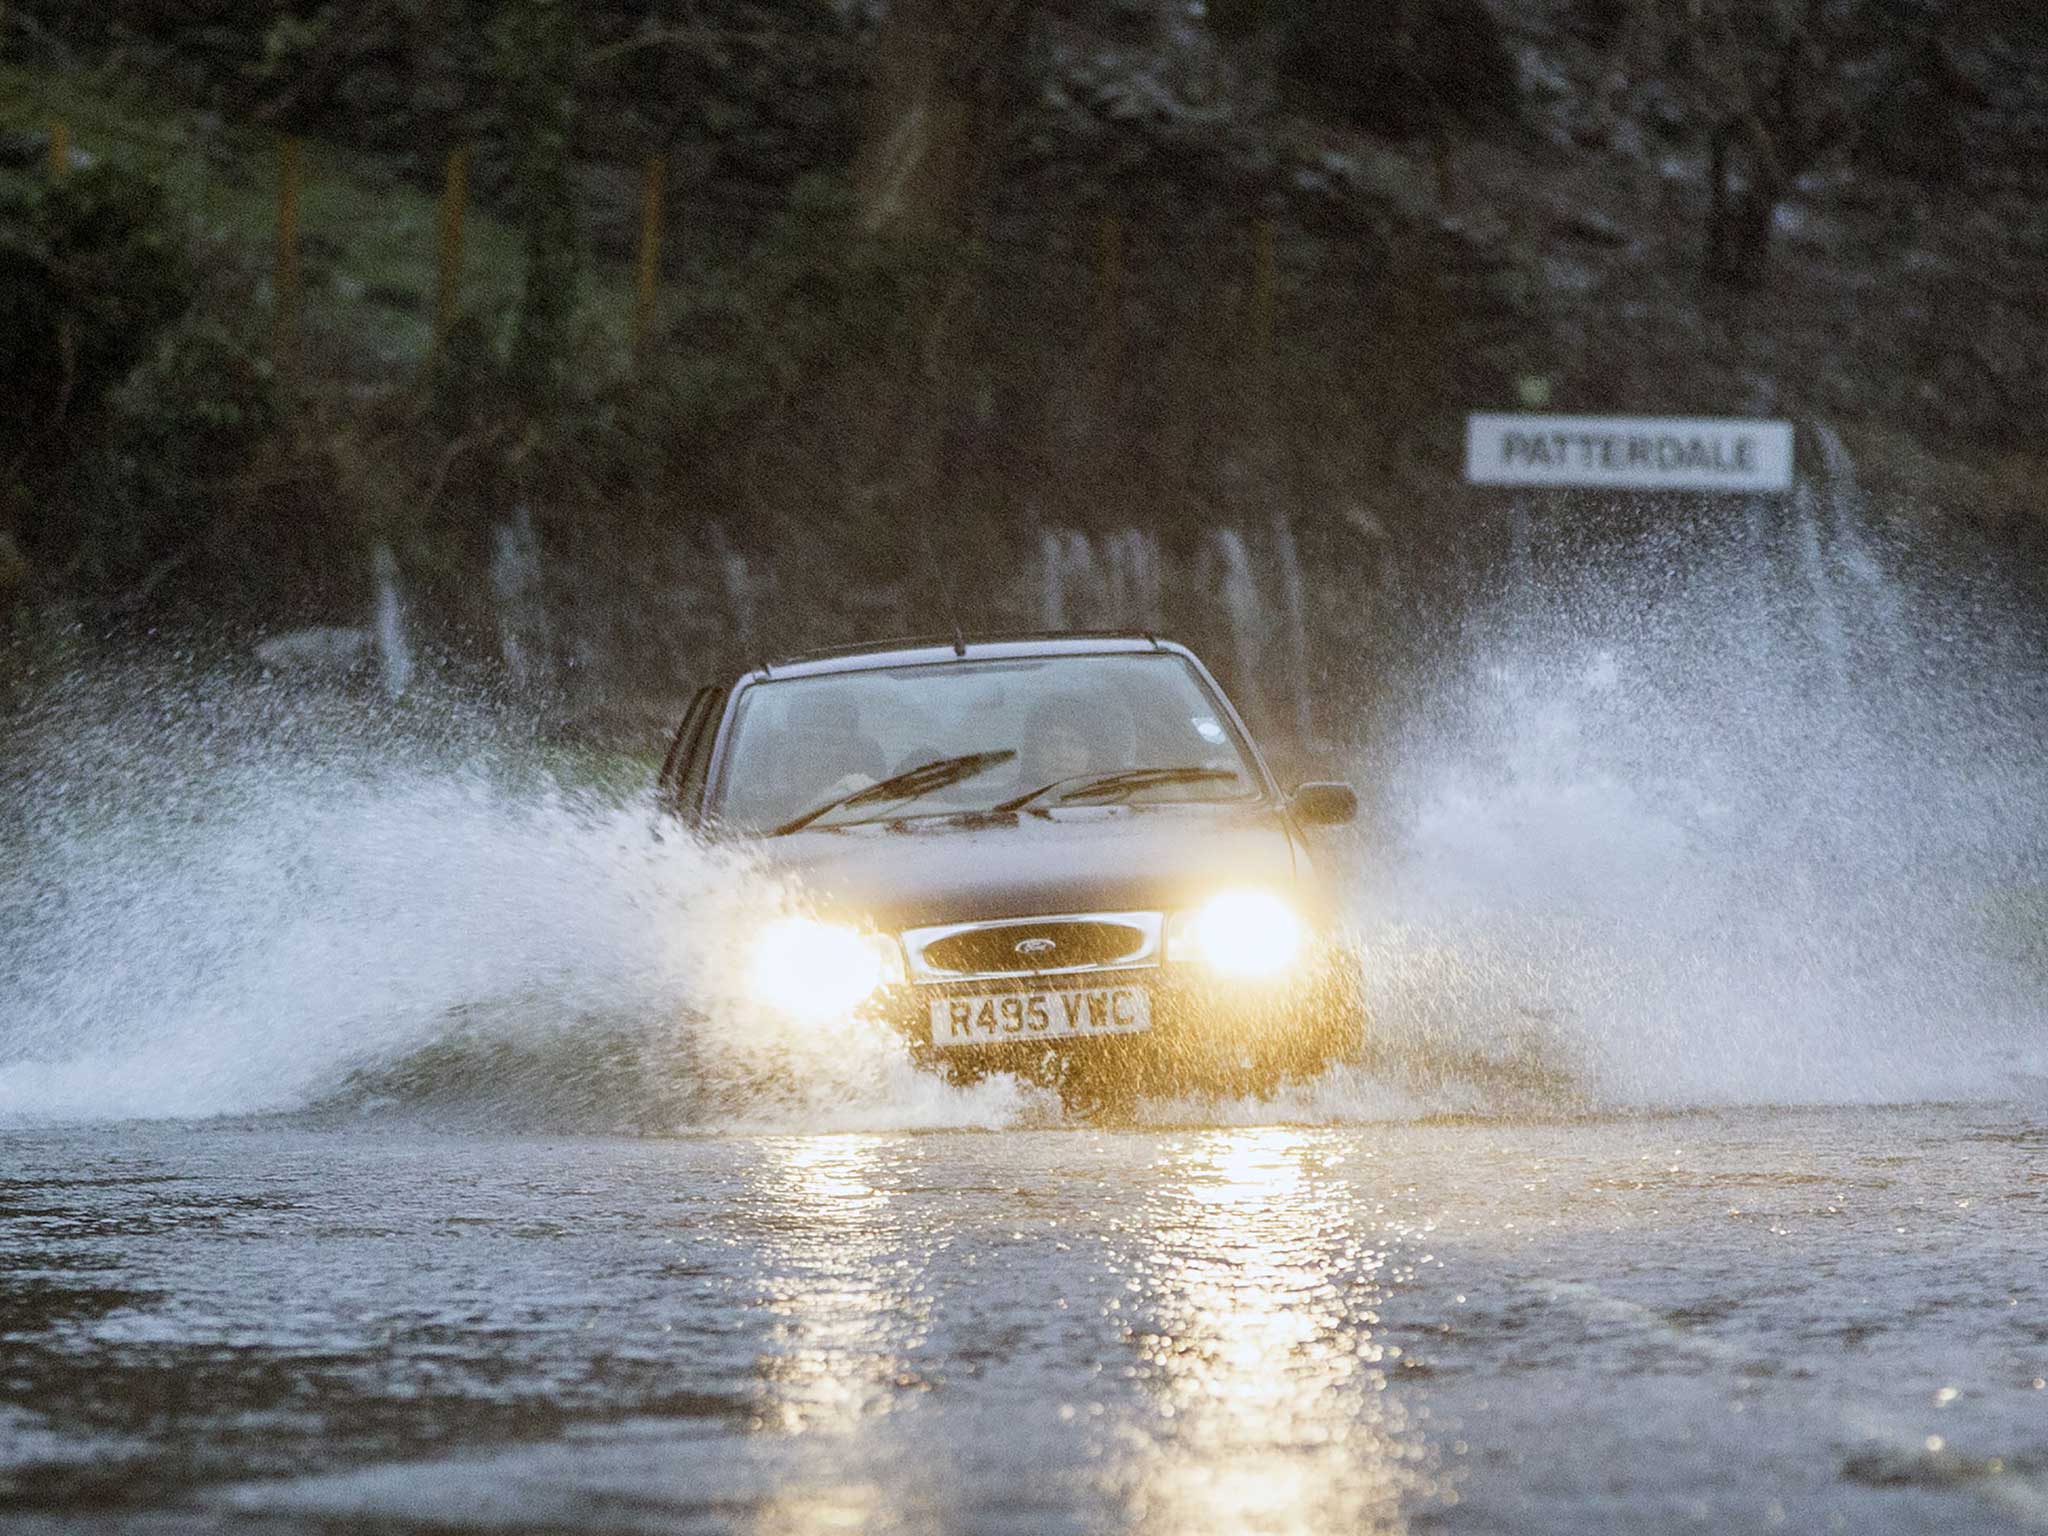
x: 1269, y: 1390
x: 1230, y: 1377
x: 841, y: 1329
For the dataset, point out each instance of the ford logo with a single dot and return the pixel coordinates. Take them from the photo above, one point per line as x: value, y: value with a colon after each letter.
x: 1037, y: 946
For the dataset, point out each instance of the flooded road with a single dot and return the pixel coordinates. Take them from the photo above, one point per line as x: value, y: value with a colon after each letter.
x: 1816, y: 1319
x: 387, y: 1141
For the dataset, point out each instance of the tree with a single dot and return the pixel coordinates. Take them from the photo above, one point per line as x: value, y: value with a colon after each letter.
x: 1414, y: 69
x: 944, y: 75
x: 1764, y: 140
x: 93, y: 268
x: 537, y: 74
x: 942, y: 68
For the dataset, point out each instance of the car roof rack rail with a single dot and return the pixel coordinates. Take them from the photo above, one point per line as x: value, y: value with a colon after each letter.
x: 955, y: 643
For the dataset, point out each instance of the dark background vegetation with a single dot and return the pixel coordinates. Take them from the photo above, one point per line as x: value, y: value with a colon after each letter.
x: 949, y: 285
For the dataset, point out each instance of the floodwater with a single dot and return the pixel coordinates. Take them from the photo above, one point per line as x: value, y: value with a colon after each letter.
x: 383, y: 1145
x: 1823, y: 1319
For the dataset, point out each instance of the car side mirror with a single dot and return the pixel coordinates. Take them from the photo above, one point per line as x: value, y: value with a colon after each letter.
x: 1324, y: 805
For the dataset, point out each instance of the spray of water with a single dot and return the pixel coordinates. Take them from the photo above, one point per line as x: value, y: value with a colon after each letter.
x: 1748, y: 808
x: 387, y: 625
x: 232, y: 897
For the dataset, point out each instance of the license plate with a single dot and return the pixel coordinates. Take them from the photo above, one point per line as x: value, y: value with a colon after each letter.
x: 1010, y: 1016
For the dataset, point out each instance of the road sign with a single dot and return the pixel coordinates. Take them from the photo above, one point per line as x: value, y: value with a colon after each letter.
x: 1629, y: 453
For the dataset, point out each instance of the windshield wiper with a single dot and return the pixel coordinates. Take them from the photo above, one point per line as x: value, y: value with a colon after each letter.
x: 908, y: 785
x: 1120, y: 785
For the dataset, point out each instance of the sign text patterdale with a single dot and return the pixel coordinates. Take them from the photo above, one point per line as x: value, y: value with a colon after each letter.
x: 1669, y: 453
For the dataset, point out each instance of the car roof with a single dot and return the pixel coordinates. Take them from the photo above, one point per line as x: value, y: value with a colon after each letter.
x: 928, y: 650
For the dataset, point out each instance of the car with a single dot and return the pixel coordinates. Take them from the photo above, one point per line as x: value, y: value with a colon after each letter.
x: 1055, y: 855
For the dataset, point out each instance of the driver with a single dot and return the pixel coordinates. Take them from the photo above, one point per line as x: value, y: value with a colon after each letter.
x: 828, y: 755
x: 1072, y: 736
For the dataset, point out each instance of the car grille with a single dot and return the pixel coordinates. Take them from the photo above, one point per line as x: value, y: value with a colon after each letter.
x: 1037, y: 946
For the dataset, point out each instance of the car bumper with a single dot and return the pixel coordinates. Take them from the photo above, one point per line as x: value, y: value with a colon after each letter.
x: 1203, y: 1031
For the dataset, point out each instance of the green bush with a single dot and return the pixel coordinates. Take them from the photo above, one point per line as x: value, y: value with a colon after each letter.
x: 291, y: 43
x: 92, y: 268
x: 537, y: 53
x: 123, y: 419
x: 182, y: 427
x: 740, y: 409
x: 467, y: 384
x: 813, y: 298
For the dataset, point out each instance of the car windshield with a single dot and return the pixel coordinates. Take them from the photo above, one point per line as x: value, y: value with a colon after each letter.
x: 1038, y: 731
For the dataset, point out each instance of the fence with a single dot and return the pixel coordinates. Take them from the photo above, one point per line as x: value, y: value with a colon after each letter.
x: 287, y: 272
x: 292, y: 172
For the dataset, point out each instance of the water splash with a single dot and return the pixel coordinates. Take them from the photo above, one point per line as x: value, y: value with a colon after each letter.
x: 1294, y: 623
x: 1238, y: 586
x: 1737, y: 812
x: 1084, y: 586
x: 1132, y: 574
x: 520, y: 598
x: 743, y: 589
x: 1748, y: 808
x: 233, y: 898
x: 1065, y: 557
x: 387, y: 625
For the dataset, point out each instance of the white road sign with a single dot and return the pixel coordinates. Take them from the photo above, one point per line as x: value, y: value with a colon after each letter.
x: 1629, y: 453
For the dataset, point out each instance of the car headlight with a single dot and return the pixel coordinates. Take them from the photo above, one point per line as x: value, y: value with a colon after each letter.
x: 1242, y: 933
x: 816, y: 970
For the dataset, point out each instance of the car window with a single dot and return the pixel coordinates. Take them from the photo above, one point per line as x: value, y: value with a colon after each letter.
x: 682, y: 771
x: 697, y: 768
x: 1067, y: 723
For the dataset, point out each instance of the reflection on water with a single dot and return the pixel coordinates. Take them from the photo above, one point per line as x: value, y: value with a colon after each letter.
x: 1246, y: 1283
x: 1269, y: 1410
x: 836, y: 1352
x: 1177, y: 1330
x: 849, y: 1507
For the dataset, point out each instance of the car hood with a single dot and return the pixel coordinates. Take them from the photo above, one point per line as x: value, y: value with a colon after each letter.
x: 1095, y: 859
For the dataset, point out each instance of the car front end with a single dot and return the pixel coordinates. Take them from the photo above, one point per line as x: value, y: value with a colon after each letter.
x: 1110, y: 952
x: 1061, y: 858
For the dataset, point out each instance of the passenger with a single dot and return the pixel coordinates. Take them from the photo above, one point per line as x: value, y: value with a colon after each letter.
x: 826, y: 754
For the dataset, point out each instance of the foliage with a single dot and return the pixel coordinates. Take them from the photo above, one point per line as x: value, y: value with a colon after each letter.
x: 537, y: 72
x: 92, y: 268
x: 812, y: 297
x: 183, y: 424
x: 14, y: 571
x: 1404, y: 71
x: 290, y: 41
x: 769, y: 364
x: 124, y: 411
x: 466, y: 382
x: 814, y: 400
x: 1447, y: 65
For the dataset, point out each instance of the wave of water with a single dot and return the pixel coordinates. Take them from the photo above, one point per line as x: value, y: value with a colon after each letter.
x: 224, y: 899
x: 1748, y: 807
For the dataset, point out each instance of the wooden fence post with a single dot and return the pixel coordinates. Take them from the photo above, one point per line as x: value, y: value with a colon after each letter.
x: 647, y: 275
x: 1109, y: 269
x: 285, y: 317
x: 448, y: 267
x: 1109, y: 286
x: 60, y: 148
x: 1265, y: 293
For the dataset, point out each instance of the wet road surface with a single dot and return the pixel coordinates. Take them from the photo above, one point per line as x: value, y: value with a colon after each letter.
x: 1810, y: 1320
